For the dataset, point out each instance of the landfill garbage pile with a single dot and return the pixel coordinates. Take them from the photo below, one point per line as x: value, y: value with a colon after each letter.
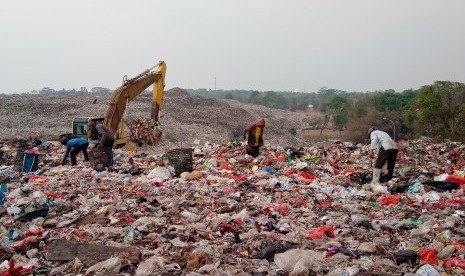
x: 184, y: 118
x: 291, y: 211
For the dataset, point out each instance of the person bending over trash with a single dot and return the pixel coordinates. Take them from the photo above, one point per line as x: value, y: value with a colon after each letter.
x: 387, y: 152
x: 104, y: 135
x: 255, y: 137
x: 73, y: 147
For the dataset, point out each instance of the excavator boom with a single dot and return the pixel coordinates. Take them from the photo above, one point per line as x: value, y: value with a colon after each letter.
x: 132, y: 88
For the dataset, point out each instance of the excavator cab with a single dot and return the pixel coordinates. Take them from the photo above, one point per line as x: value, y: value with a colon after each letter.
x: 80, y: 127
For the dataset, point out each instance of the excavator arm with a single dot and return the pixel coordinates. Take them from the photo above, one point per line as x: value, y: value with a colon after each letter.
x: 132, y: 88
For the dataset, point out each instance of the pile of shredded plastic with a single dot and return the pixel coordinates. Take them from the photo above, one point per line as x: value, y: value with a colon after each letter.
x: 293, y: 211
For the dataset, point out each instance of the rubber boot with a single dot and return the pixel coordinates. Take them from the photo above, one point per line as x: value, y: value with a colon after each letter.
x: 376, y: 175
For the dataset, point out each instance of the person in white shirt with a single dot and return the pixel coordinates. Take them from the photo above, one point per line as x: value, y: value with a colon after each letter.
x: 387, y: 152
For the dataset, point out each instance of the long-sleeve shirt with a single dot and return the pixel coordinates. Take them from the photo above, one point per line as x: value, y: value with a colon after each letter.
x: 255, y: 133
x: 381, y: 139
x: 73, y: 143
x: 104, y: 134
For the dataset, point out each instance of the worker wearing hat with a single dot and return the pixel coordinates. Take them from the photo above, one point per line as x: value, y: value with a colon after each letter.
x: 387, y: 152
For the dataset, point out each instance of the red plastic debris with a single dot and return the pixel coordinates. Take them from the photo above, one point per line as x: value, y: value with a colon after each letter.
x: 14, y: 270
x: 429, y: 256
x: 299, y: 202
x: 24, y: 242
x: 321, y: 232
x: 53, y: 194
x: 157, y: 184
x: 306, y: 175
x: 282, y: 209
x: 389, y: 199
x: 453, y: 202
x: 229, y: 190
x: 266, y: 162
x: 80, y: 233
x: 289, y: 172
x: 34, y: 232
x: 225, y: 166
x: 456, y: 179
x: 238, y: 178
x: 453, y: 262
x: 455, y: 153
x: 228, y: 227
x: 459, y: 246
x: 127, y: 219
x: 326, y: 204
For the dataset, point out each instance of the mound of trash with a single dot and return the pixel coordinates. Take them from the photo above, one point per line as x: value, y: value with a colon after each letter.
x: 184, y: 118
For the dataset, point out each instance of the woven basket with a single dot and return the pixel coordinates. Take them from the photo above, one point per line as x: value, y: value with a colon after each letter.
x: 100, y: 158
x: 180, y: 159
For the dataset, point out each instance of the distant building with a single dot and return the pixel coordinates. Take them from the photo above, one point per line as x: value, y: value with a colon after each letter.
x: 100, y: 90
x: 46, y: 90
x: 34, y: 92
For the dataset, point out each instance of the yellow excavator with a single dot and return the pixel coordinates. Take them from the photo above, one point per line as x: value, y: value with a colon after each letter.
x: 114, y: 119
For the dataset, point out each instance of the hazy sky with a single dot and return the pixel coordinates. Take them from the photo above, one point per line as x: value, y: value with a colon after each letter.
x: 352, y: 45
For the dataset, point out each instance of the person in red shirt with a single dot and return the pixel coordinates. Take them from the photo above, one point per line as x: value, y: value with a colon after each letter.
x: 254, y: 138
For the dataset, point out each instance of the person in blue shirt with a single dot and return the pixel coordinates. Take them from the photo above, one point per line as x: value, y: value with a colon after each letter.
x: 74, y: 145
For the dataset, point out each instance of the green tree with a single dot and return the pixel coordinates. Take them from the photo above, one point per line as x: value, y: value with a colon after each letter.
x: 255, y: 98
x: 274, y: 100
x: 229, y: 96
x: 338, y: 106
x: 438, y: 111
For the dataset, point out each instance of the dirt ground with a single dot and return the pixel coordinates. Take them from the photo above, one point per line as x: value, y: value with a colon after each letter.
x: 185, y: 119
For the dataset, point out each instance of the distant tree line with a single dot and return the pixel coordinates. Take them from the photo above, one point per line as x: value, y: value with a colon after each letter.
x: 436, y: 110
x: 64, y: 92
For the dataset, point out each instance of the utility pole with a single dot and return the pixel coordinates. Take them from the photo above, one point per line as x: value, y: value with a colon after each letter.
x: 215, y: 83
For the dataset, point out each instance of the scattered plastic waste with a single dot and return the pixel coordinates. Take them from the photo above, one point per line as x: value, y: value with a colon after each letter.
x: 289, y: 211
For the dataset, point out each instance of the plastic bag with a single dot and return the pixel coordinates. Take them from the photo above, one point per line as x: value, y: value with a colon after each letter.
x: 269, y: 169
x: 112, y: 265
x: 442, y: 186
x: 427, y: 270
x: 149, y: 266
x: 365, y: 224
x: 429, y: 256
x: 321, y: 232
x: 307, y: 175
x: 415, y: 187
x: 406, y: 256
x: 298, y: 260
x: 270, y: 249
x: 2, y: 194
x: 389, y: 199
x: 453, y: 262
x: 15, y: 270
x: 159, y: 174
x: 456, y: 179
